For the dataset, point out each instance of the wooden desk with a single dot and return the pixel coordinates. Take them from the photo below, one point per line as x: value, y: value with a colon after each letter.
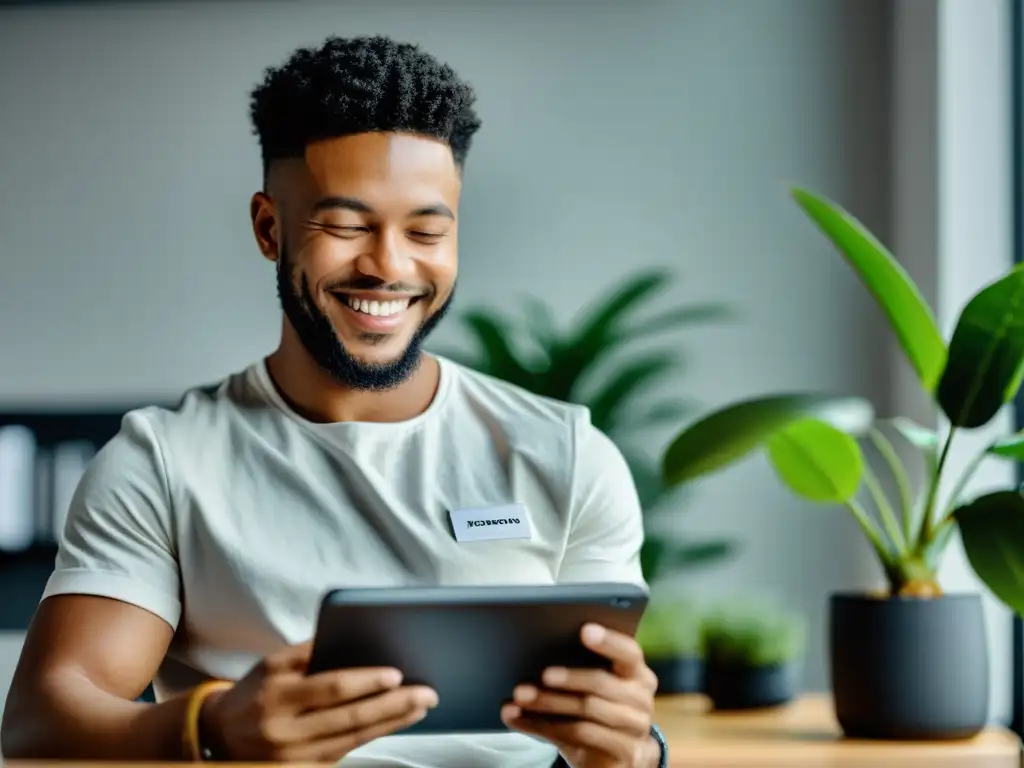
x: 805, y: 734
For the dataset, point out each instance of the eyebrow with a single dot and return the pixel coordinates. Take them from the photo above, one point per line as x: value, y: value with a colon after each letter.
x: 358, y: 206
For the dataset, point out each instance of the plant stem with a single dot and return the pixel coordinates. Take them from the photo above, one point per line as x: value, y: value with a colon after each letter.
x: 871, y: 531
x: 885, y: 510
x: 899, y: 473
x: 954, y: 498
x: 926, y: 531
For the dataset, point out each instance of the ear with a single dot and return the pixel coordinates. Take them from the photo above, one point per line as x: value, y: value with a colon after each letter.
x: 266, y: 225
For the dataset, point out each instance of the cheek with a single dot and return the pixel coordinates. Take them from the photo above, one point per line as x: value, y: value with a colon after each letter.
x: 442, y: 265
x: 323, y: 256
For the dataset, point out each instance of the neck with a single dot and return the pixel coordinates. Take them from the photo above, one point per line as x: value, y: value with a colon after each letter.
x: 317, y: 397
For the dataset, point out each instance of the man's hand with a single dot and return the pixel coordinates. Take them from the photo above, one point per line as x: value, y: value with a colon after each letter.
x: 603, y: 718
x: 278, y: 714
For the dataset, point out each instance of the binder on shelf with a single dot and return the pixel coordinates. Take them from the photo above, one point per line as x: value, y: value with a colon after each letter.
x: 17, y: 488
x: 44, y: 495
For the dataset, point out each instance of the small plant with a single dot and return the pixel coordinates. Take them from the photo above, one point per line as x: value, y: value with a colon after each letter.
x: 671, y: 629
x: 815, y: 443
x: 753, y: 637
x: 589, y: 364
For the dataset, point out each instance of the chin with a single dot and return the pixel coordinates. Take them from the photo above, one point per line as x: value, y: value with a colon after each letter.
x: 380, y: 353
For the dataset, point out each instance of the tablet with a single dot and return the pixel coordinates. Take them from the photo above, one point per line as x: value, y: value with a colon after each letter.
x: 472, y: 645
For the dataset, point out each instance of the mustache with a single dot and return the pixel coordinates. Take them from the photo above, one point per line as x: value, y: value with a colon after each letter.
x: 375, y: 284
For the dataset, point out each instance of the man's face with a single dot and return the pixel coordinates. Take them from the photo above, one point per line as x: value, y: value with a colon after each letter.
x: 364, y: 233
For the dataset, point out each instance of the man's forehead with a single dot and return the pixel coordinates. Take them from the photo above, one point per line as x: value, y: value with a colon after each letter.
x: 380, y: 154
x: 343, y: 166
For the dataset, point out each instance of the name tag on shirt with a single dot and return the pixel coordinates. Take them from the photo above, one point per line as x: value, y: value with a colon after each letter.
x: 508, y: 521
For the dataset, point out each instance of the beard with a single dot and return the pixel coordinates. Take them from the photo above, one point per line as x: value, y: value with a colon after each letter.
x: 317, y: 334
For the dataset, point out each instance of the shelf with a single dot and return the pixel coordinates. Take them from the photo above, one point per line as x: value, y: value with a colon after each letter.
x: 23, y: 577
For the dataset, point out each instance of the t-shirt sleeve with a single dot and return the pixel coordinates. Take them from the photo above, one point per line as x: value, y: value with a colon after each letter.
x: 117, y: 540
x: 606, y: 528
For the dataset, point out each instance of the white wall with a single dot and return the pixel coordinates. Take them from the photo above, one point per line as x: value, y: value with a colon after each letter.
x: 616, y: 134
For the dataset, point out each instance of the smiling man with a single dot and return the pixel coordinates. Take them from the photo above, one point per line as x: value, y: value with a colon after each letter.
x: 202, y: 538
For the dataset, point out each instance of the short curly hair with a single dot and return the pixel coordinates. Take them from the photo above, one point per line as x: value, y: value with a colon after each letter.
x: 359, y: 85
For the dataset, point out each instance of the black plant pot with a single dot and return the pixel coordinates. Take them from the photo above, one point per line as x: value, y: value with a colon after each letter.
x: 684, y: 674
x: 909, y: 668
x: 735, y: 686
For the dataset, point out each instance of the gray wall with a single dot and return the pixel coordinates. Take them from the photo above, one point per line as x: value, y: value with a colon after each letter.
x: 616, y: 135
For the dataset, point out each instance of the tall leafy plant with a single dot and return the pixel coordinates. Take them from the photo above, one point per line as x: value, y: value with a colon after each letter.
x: 815, y: 443
x: 589, y: 363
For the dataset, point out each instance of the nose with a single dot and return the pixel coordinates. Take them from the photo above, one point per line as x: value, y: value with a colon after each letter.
x: 385, y: 259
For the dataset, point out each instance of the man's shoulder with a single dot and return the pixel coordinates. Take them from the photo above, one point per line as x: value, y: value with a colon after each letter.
x: 199, y: 412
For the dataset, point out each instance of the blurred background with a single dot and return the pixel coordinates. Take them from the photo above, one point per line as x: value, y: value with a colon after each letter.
x: 622, y: 140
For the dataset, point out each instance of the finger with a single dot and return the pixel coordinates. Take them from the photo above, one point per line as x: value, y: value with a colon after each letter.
x: 534, y: 701
x: 623, y: 651
x: 330, y: 689
x: 289, y: 659
x: 331, y: 750
x: 600, y: 683
x: 576, y: 734
x: 365, y: 714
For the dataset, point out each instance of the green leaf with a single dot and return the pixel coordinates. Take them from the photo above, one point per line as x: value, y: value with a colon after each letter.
x: 924, y: 439
x: 900, y: 299
x: 817, y: 461
x: 660, y: 555
x: 986, y: 354
x: 681, y: 556
x: 728, y: 435
x: 600, y: 334
x: 918, y: 436
x: 694, y: 314
x: 606, y: 406
x: 670, y: 629
x: 992, y: 529
x: 498, y: 357
x: 1011, y: 447
x: 651, y: 553
x: 753, y: 635
x: 660, y: 413
x: 541, y: 325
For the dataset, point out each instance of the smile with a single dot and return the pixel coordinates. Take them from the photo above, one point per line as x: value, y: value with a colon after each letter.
x: 376, y: 315
x: 377, y: 308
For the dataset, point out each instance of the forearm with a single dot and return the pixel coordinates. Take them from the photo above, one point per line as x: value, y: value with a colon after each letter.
x: 70, y: 718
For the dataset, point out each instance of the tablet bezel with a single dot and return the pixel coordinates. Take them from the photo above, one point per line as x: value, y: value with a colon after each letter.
x: 620, y: 604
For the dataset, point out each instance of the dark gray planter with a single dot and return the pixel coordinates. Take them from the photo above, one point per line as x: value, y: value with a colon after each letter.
x: 735, y: 686
x: 684, y: 674
x: 909, y: 668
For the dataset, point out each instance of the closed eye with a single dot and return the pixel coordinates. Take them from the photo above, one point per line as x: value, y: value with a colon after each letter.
x: 345, y: 231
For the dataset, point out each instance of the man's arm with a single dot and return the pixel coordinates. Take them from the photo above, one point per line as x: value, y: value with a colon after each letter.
x: 606, y: 526
x: 106, y: 621
x: 606, y: 533
x: 85, y: 661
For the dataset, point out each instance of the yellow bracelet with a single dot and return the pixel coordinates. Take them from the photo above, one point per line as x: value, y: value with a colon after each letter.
x: 190, y: 733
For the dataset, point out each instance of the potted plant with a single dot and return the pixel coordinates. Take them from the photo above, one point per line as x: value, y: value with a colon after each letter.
x: 909, y: 662
x: 753, y: 656
x: 670, y: 633
x: 590, y: 364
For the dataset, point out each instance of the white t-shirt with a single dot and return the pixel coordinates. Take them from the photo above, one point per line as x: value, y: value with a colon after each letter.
x: 230, y: 516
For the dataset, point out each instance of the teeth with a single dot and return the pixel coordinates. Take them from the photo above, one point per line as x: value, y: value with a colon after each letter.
x: 378, y: 308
